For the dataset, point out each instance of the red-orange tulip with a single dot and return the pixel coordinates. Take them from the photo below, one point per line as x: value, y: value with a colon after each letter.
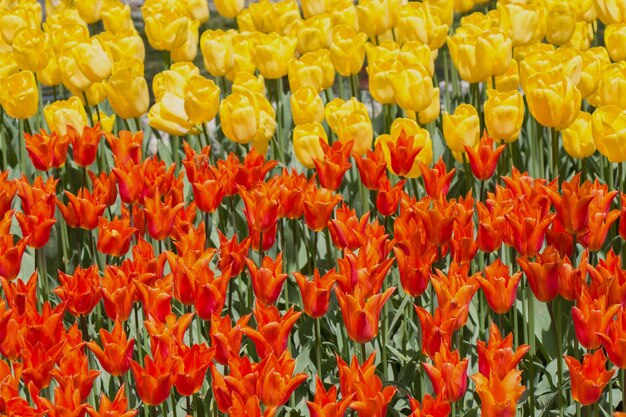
x: 276, y: 380
x: 316, y: 293
x: 614, y: 340
x: 126, y: 146
x: 430, y: 407
x: 319, y: 204
x: 118, y: 293
x: 160, y: 216
x: 268, y: 279
x: 484, y: 160
x: 325, y: 402
x: 332, y: 169
x: 192, y: 369
x: 82, y: 210
x: 47, y: 150
x: 414, y: 268
x: 155, y: 380
x: 114, y: 236
x: 272, y: 329
x: 543, y: 274
x: 80, y: 291
x: 388, y: 196
x: 497, y: 355
x: 130, y: 177
x: 372, y: 167
x: 104, y: 187
x: 346, y: 229
x: 402, y: 153
x: 592, y: 316
x: 116, y: 353
x: 292, y: 186
x: 36, y: 223
x: 116, y: 408
x: 437, y: 179
x: 499, y: 396
x: 8, y: 188
x: 225, y: 337
x: 448, y: 374
x: 232, y: 253
x: 261, y: 206
x: 85, y: 144
x: 589, y: 378
x: 499, y: 286
x: 436, y: 330
x: 360, y: 315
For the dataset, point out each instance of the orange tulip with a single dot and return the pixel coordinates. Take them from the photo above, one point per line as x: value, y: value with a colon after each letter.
x: 448, y: 374
x: 484, y: 160
x: 332, y: 169
x: 436, y: 330
x: 155, y: 380
x: 36, y: 223
x: 592, y: 316
x: 126, y: 146
x: 499, y: 396
x: 276, y: 382
x: 116, y: 408
x: 104, y: 188
x: 37, y: 363
x: 292, y: 186
x: 360, y: 315
x: 192, y: 369
x: 118, y: 293
x: 346, y: 229
x: 572, y: 204
x: 319, y: 204
x: 225, y: 337
x: 210, y: 295
x: 614, y: 340
x: 160, y: 216
x: 543, y: 274
x: 316, y: 293
x: 430, y: 407
x: 499, y: 286
x: 528, y: 226
x: 232, y: 254
x: 437, y: 179
x: 80, y: 291
x: 47, y: 151
x: 85, y: 144
x: 8, y: 188
x: 414, y: 268
x: 261, y: 206
x: 117, y: 352
x: 589, y: 378
x: 114, y: 236
x: 82, y: 210
x: 130, y: 178
x: 267, y: 280
x: 402, y: 153
x: 372, y: 167
x: 272, y: 329
x: 249, y: 408
x: 325, y: 402
x: 388, y: 196
x: 498, y: 356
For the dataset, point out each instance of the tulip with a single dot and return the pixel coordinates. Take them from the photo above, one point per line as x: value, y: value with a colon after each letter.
x: 434, y: 407
x: 261, y: 207
x: 493, y: 52
x: 417, y: 22
x: 82, y: 210
x: 273, y: 329
x: 316, y: 293
x: 248, y: 80
x: 90, y: 11
x: 351, y: 122
x: 499, y: 396
x: 155, y: 380
x: 360, y: 315
x: 448, y: 374
x: 160, y: 216
x: 381, y: 72
x: 229, y: 8
x: 117, y: 352
x: 225, y: 337
x: 374, y: 17
x: 332, y: 167
x: 306, y: 106
x: 167, y: 29
x: 195, y: 363
x: 611, y: 85
x: 63, y: 113
x: 578, y: 138
x: 463, y: 51
x: 590, y: 317
x: 267, y: 280
x: 31, y: 49
x: 609, y: 130
x: 347, y: 50
x: 187, y: 51
x: 413, y: 88
x: 169, y: 115
x: 127, y: 89
x: 589, y: 378
x: 37, y: 363
x: 614, y: 339
x: 24, y: 15
x: 560, y: 24
x: 437, y: 179
x: 318, y: 206
x: 552, y: 99
x: 46, y: 151
x: 461, y: 129
x: 117, y: 407
x: 504, y: 114
x: 114, y: 236
x: 80, y: 291
x: 277, y: 382
x: 246, y: 117
x: 542, y: 275
x: 524, y: 22
x: 85, y: 144
x: 325, y: 402
x: 499, y: 287
x: 402, y: 151
x: 116, y: 16
x: 498, y: 357
x: 614, y: 38
x: 210, y: 295
x: 273, y: 53
x: 372, y: 167
x: 19, y: 95
x: 201, y: 99
x: 610, y: 11
x: 36, y: 223
x: 217, y: 51
x: 483, y: 161
x: 313, y: 33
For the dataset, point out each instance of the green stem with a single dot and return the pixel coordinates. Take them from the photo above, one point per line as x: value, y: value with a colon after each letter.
x: 22, y: 147
x: 531, y: 357
x: 555, y: 153
x: 556, y: 317
x: 318, y: 346
x: 5, y: 148
x: 354, y: 87
x: 42, y: 268
x: 87, y: 108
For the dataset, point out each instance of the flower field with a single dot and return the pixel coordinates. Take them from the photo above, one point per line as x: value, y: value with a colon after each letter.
x: 318, y: 208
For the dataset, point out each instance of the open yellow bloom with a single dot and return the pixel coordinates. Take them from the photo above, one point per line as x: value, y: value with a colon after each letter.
x: 463, y: 53
x: 124, y: 44
x: 60, y: 114
x: 173, y: 80
x: 92, y: 60
x: 381, y: 73
x: 343, y: 12
x: 374, y: 16
x: 462, y: 128
x: 347, y: 50
x: 416, y: 53
x: 31, y: 49
x: 202, y: 99
x: 504, y: 114
x: 306, y: 143
x: 273, y: 53
x: 553, y: 99
x: 243, y: 57
x: 609, y: 132
x: 493, y: 52
x: 578, y: 138
x: 127, y: 89
x: 19, y: 95
x: 306, y: 106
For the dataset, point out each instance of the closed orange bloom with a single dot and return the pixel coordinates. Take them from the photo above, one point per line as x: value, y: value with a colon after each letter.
x: 592, y: 316
x: 430, y: 407
x: 104, y: 187
x: 316, y: 293
x: 193, y: 366
x: 114, y: 236
x: 272, y: 329
x: 130, y: 181
x: 268, y: 279
x: 118, y: 293
x: 292, y: 186
x: 543, y: 274
x: 82, y: 210
x: 499, y: 287
x: 361, y: 315
x: 372, y: 167
x: 47, y: 151
x: 388, y: 196
x: 332, y: 169
x: 499, y: 396
x: 448, y: 374
x: 8, y: 188
x: 319, y: 204
x: 589, y: 378
x: 276, y: 382
x: 126, y: 146
x: 498, y: 356
x: 210, y: 295
x: 225, y: 337
x: 80, y: 291
x: 10, y: 252
x: 160, y: 216
x: 85, y: 144
x: 155, y: 380
x: 436, y: 330
x: 414, y: 269
x: 346, y: 229
x: 116, y: 353
x: 402, y: 153
x: 37, y: 363
x: 232, y: 253
x: 484, y: 160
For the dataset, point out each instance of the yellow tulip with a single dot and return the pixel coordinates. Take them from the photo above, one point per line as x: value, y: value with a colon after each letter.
x: 413, y: 53
x: 95, y: 93
x: 31, y: 49
x: 578, y: 138
x: 610, y: 11
x: 463, y: 52
x: 504, y: 114
x: 169, y: 115
x: 615, y: 40
x: 243, y: 58
x: 306, y: 143
x: 196, y: 9
x: 347, y: 50
x: 245, y: 23
x: 8, y: 65
x: 312, y: 69
x: 385, y: 51
x: 442, y: 9
x: 63, y: 113
x: 480, y: 21
x: 189, y: 50
x: 173, y: 80
x: 582, y: 37
x: 92, y: 61
x: 167, y: 29
x: 421, y: 137
x: 431, y: 113
x: 541, y: 61
x: 343, y: 12
x: 306, y: 106
x: 249, y: 81
x: 313, y: 33
x: 124, y: 44
x: 416, y: 22
x: 413, y: 88
x: 509, y: 80
x: 314, y: 7
x: 462, y: 128
x: 246, y: 116
x: 116, y: 16
x: 493, y: 52
x: 260, y: 15
x: 65, y: 33
x: 50, y: 75
x: 584, y: 10
x: 273, y: 53
x: 71, y: 75
x: 612, y: 86
x: 560, y: 24
x: 229, y: 8
x: 374, y: 17
x: 19, y: 95
x: 570, y: 63
x: 609, y: 132
x: 285, y: 17
x: 54, y: 7
x: 202, y: 99
x: 524, y: 22
x: 350, y: 121
x: 590, y: 74
x: 381, y: 73
x: 127, y: 89
x: 24, y: 15
x: 553, y: 100
x: 107, y: 122
x: 90, y: 10
x: 462, y: 6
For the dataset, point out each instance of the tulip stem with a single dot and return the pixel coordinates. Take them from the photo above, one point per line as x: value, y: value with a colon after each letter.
x: 42, y: 270
x: 5, y: 148
x: 354, y: 87
x: 556, y: 318
x: 87, y: 108
x: 22, y: 142
x: 623, y: 371
x: 313, y: 250
x: 318, y: 346
x: 555, y: 153
x: 531, y: 342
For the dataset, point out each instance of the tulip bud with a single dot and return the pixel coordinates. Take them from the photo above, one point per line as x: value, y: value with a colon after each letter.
x: 247, y: 116
x: 413, y: 88
x: 524, y: 22
x: 167, y: 29
x: 578, y: 138
x: 610, y: 11
x: 560, y: 24
x: 60, y: 114
x: 493, y: 52
x: 19, y: 95
x: 615, y: 40
x: 217, y: 51
x: 229, y: 8
x: 306, y: 143
x: 202, y: 99
x: 347, y: 50
x: 127, y: 89
x: 416, y: 22
x: 431, y: 113
x: 609, y: 132
x: 116, y: 16
x: 273, y: 53
x: 504, y: 115
x: 188, y: 50
x: 31, y: 49
x: 381, y: 73
x: 168, y: 114
x: 612, y: 86
x: 313, y: 33
x: 250, y: 81
x: 90, y: 10
x: 306, y: 106
x: 374, y: 17
x: 462, y: 128
x: 350, y: 121
x: 553, y: 100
